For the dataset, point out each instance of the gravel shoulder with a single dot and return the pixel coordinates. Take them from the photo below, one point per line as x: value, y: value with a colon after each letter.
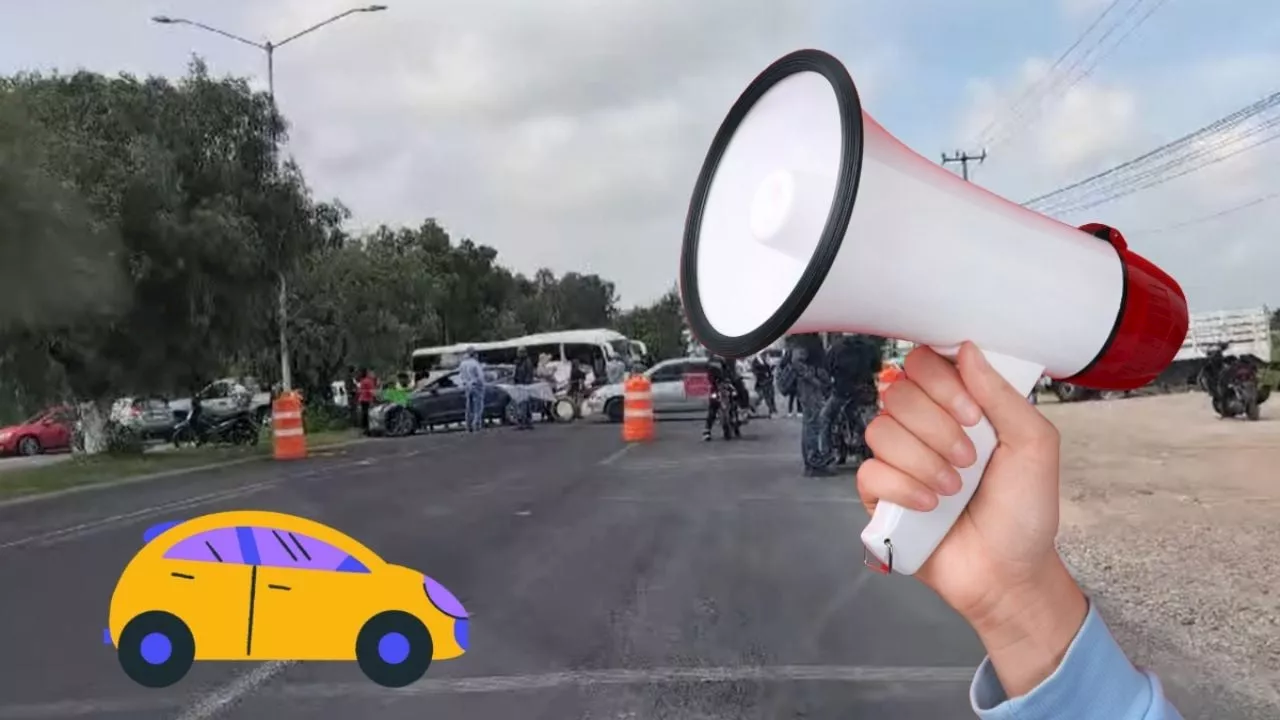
x: 1171, y: 519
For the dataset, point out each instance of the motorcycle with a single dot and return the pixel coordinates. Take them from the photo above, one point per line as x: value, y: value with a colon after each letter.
x: 731, y: 416
x: 844, y: 441
x: 1232, y: 384
x: 240, y: 428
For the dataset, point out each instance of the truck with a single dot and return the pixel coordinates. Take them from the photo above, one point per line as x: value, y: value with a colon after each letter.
x: 217, y: 399
x: 1246, y: 333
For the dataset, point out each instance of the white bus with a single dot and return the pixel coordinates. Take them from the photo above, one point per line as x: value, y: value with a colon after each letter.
x: 590, y: 346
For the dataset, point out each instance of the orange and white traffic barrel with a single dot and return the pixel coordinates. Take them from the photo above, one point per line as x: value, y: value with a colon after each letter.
x: 637, y: 409
x: 288, y: 437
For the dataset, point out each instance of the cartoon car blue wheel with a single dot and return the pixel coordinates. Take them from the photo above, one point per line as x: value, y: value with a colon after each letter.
x: 156, y: 649
x: 394, y: 649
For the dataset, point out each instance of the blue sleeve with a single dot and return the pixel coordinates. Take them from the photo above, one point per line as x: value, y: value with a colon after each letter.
x: 1095, y: 680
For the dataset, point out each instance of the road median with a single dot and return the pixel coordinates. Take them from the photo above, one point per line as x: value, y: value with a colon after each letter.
x: 79, y: 474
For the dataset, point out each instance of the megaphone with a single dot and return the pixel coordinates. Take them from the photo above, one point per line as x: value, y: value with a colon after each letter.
x: 808, y: 216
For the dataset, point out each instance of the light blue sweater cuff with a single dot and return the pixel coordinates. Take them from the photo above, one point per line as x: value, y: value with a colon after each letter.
x: 1095, y: 680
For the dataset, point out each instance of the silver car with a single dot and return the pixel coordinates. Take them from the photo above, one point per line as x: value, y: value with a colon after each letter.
x: 149, y: 417
x: 670, y: 392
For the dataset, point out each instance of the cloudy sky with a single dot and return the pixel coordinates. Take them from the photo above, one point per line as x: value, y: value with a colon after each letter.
x: 568, y: 133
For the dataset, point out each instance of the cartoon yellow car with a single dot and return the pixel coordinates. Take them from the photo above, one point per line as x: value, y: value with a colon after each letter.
x: 251, y: 585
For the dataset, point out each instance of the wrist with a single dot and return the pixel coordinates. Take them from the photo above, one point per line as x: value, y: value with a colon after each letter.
x: 1029, y: 631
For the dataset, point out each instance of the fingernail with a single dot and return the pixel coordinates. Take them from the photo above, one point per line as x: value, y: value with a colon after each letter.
x: 982, y: 358
x: 967, y: 410
x: 949, y: 481
x: 960, y: 454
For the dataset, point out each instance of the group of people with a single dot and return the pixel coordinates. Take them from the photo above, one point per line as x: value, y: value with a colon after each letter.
x: 362, y: 394
x: 829, y: 385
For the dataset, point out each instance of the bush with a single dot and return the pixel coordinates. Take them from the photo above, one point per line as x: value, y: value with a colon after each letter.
x: 323, y: 417
x: 123, y: 440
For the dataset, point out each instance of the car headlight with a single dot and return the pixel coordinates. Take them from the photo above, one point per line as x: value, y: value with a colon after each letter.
x: 444, y: 600
x: 6, y: 435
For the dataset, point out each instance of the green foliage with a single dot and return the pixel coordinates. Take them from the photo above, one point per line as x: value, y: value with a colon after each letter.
x: 660, y: 326
x: 145, y: 226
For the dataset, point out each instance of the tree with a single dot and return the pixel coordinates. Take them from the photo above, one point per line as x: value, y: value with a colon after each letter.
x: 659, y: 325
x: 199, y: 216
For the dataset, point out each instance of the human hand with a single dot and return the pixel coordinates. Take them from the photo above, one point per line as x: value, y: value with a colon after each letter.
x: 998, y: 566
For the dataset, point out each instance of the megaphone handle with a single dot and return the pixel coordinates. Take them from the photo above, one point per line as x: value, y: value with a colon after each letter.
x: 901, y: 539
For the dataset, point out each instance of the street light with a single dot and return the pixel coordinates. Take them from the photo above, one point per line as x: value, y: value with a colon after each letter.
x: 268, y: 47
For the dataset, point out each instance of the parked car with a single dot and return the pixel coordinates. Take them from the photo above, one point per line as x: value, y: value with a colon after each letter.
x: 149, y: 417
x: 218, y: 399
x: 50, y: 430
x: 668, y: 387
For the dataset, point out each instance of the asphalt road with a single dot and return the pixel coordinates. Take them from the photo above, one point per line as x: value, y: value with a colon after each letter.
x: 666, y: 580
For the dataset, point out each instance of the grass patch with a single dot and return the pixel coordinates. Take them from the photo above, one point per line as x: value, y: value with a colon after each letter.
x: 95, y: 469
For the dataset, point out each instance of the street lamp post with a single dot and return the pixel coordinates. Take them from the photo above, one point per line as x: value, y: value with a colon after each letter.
x: 269, y: 48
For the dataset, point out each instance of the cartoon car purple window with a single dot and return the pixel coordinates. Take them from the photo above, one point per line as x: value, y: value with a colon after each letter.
x: 282, y: 548
x: 219, y: 545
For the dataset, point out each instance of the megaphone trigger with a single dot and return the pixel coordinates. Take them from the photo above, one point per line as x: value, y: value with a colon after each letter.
x: 902, y: 539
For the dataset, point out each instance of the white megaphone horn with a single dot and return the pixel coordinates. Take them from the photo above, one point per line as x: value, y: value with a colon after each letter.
x: 809, y: 217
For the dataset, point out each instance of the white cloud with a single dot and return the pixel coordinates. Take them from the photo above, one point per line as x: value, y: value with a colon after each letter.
x: 1098, y: 125
x: 564, y: 133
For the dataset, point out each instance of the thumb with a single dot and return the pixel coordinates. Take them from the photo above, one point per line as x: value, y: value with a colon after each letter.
x: 1015, y: 420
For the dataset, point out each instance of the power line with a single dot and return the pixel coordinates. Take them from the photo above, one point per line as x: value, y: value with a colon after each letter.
x: 1214, y: 216
x: 1161, y: 174
x: 1036, y: 109
x: 1163, y: 180
x: 1089, y: 71
x: 1048, y: 74
x: 1215, y: 128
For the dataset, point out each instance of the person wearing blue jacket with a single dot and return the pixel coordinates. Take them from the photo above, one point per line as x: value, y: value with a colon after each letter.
x: 1050, y: 656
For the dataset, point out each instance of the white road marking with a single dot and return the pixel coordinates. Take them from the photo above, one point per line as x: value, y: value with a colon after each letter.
x: 789, y: 499
x: 656, y: 676
x: 212, y: 704
x: 222, y: 699
x: 93, y: 526
x: 617, y: 454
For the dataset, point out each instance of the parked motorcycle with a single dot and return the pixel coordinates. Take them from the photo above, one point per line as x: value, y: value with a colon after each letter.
x: 1232, y: 384
x: 240, y: 428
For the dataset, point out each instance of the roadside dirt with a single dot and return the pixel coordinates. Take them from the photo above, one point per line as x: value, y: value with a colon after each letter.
x: 1171, y: 520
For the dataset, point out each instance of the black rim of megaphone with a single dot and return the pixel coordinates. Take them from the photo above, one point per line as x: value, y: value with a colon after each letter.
x: 837, y: 220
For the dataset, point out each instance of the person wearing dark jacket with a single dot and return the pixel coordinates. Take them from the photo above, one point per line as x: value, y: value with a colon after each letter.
x: 722, y: 369
x: 763, y: 373
x: 853, y: 364
x: 813, y: 383
x: 523, y: 377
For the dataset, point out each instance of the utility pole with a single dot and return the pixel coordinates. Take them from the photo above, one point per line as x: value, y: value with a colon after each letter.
x: 269, y: 48
x: 964, y: 159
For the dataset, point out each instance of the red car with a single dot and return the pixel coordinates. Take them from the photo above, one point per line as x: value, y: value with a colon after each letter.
x: 50, y: 430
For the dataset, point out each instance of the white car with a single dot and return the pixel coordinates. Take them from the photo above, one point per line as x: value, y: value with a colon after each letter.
x: 667, y: 385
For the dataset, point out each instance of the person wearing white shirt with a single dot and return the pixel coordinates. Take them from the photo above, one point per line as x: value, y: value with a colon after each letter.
x: 471, y: 377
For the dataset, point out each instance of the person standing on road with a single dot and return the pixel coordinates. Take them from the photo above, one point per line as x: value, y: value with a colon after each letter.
x: 812, y: 385
x: 1050, y: 654
x: 763, y: 373
x: 853, y: 364
x: 785, y: 380
x: 471, y: 377
x: 524, y: 378
x: 366, y: 389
